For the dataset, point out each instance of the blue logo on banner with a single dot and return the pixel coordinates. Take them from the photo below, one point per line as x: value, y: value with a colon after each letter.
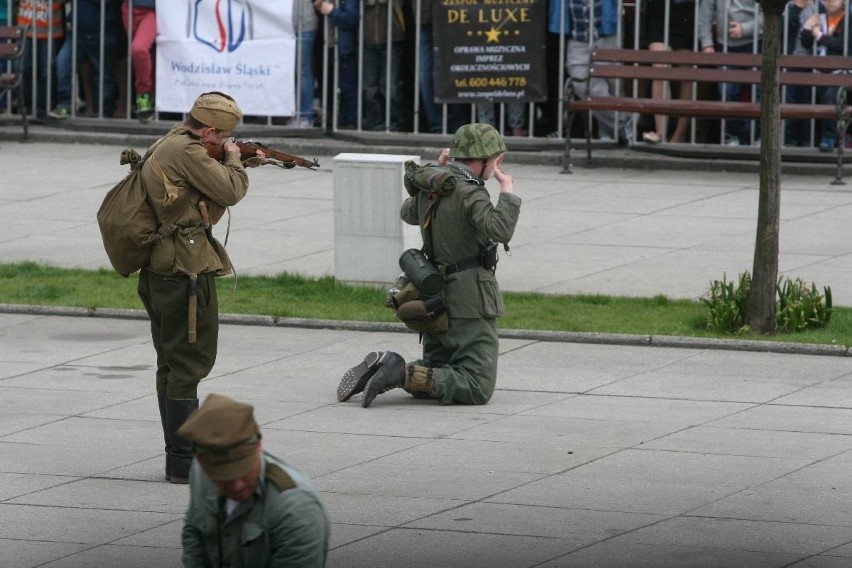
x: 221, y: 24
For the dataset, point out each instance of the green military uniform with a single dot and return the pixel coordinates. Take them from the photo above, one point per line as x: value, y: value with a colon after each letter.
x: 459, y: 330
x: 465, y: 357
x: 187, y: 191
x: 247, y: 508
x: 283, y: 524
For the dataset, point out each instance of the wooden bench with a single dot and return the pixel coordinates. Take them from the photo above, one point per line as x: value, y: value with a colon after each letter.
x: 744, y: 68
x: 12, y: 48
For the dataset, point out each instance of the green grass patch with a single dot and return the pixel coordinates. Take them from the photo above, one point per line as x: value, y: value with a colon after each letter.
x: 289, y: 295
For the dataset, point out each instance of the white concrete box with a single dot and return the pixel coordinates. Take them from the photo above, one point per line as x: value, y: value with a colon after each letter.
x: 369, y: 236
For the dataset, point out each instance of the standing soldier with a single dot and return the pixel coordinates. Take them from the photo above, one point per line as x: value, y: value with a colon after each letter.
x: 459, y: 226
x: 188, y: 192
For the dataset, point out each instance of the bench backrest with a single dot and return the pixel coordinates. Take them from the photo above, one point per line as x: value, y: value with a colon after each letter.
x: 12, y: 42
x: 804, y: 70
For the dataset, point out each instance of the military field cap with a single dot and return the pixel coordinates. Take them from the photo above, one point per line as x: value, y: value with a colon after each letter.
x: 217, y: 110
x: 477, y: 140
x: 224, y: 437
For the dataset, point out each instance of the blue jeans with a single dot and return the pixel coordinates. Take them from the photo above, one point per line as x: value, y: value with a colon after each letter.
x: 433, y: 111
x: 828, y: 96
x: 88, y: 48
x: 306, y: 90
x: 376, y: 90
x: 738, y: 128
x: 797, y: 131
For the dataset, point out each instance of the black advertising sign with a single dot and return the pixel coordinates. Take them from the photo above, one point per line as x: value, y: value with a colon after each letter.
x: 489, y: 50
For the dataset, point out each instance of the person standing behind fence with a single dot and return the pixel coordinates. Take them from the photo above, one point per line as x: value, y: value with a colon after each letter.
x: 376, y: 43
x: 305, y: 21
x: 797, y: 131
x: 46, y: 21
x: 345, y: 17
x: 87, y: 38
x: 679, y: 36
x: 586, y: 30
x: 825, y: 32
x: 143, y: 34
x: 432, y: 110
x: 738, y: 25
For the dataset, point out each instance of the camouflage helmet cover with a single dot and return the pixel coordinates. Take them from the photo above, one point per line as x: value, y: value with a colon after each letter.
x: 477, y: 140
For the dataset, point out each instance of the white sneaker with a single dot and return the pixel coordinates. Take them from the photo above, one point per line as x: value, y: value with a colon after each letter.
x: 303, y: 123
x: 731, y: 140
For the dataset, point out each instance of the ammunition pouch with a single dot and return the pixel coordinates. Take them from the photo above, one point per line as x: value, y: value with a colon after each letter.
x: 427, y: 315
x: 419, y: 314
x: 488, y: 255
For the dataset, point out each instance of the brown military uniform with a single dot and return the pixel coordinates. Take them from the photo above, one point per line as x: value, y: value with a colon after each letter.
x: 188, y: 191
x: 177, y: 176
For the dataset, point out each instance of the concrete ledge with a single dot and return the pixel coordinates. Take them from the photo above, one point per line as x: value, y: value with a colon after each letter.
x: 523, y: 334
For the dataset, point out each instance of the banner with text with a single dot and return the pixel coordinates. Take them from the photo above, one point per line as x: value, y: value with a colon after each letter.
x: 489, y: 50
x: 240, y: 47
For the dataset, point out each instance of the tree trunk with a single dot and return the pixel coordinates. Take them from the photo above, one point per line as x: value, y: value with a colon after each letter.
x: 760, y: 314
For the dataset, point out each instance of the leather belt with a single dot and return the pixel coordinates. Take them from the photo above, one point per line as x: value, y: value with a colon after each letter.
x: 461, y: 265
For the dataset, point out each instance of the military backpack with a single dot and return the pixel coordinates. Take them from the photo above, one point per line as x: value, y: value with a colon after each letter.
x: 127, y: 222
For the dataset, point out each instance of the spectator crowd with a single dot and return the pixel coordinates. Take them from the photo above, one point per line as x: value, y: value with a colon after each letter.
x: 95, y: 58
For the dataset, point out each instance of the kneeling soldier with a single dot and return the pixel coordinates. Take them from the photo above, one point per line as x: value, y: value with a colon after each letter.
x: 459, y: 226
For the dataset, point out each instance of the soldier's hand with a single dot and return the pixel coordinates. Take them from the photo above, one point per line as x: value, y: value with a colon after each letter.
x: 231, y: 146
x: 444, y: 157
x: 507, y: 183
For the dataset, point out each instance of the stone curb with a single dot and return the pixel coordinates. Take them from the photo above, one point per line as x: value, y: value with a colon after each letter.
x: 522, y: 334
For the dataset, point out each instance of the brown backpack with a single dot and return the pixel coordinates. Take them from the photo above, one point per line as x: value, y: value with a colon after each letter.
x: 127, y: 222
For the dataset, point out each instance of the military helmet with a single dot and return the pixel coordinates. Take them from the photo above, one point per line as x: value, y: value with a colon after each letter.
x: 477, y: 140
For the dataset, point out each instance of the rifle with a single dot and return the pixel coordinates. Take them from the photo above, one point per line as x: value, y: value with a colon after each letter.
x: 248, y: 149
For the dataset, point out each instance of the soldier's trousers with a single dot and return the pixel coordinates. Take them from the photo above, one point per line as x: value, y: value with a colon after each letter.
x: 464, y: 359
x: 180, y: 365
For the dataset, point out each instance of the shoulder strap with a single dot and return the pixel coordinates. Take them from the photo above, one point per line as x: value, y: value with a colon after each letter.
x: 279, y: 478
x: 434, y: 198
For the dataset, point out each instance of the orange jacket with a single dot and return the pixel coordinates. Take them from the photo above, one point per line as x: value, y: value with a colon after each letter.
x: 46, y: 19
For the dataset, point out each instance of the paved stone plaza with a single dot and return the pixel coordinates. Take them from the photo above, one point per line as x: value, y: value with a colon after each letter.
x: 589, y: 455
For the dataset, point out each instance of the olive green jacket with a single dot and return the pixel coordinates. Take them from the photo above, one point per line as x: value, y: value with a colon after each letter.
x: 284, y: 524
x: 177, y: 176
x: 462, y: 221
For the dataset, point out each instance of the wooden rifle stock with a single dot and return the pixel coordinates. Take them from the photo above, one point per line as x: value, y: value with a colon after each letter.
x: 248, y: 149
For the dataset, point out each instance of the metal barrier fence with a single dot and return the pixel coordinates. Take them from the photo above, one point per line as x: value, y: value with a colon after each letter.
x: 97, y: 66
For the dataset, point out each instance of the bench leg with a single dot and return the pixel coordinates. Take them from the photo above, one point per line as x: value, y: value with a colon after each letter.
x: 23, y: 110
x: 568, y: 96
x: 589, y: 138
x: 841, y: 135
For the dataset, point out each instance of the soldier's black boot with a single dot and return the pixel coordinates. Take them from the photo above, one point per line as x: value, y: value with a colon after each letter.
x: 164, y: 420
x: 355, y: 379
x: 390, y: 375
x: 180, y: 455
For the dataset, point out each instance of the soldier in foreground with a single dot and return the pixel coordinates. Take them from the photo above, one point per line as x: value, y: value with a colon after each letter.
x: 247, y: 507
x: 459, y: 225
